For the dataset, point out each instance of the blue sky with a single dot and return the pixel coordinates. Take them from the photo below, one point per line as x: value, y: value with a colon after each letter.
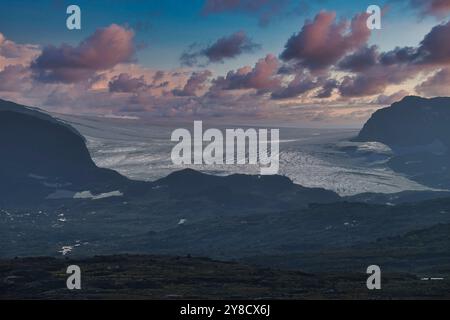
x: 168, y: 27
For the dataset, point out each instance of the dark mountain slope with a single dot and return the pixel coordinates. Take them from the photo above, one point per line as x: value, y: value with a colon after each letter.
x: 242, y: 191
x: 413, y: 121
x: 41, y: 155
x: 418, y: 131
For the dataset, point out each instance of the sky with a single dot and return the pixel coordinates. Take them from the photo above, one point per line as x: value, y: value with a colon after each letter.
x: 310, y: 63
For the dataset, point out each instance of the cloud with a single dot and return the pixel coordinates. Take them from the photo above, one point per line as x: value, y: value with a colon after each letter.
x: 361, y: 85
x: 390, y: 99
x: 327, y: 59
x: 434, y: 49
x: 195, y: 83
x: 142, y: 88
x: 375, y: 80
x: 302, y: 83
x: 11, y: 50
x: 14, y: 78
x: 125, y: 83
x: 360, y: 60
x: 399, y: 55
x: 323, y: 41
x: 362, y: 70
x: 327, y: 88
x: 224, y: 48
x: 437, y: 8
x: 436, y: 85
x: 12, y: 53
x: 372, y: 72
x: 263, y: 77
x: 106, y: 48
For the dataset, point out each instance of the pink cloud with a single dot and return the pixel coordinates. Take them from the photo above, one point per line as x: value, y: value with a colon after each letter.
x: 437, y: 8
x: 125, y: 83
x: 195, y: 83
x: 106, y: 48
x: 435, y: 47
x: 360, y: 60
x: 323, y: 41
x: 437, y: 84
x: 390, y: 99
x: 12, y: 53
x: 224, y: 48
x: 326, y: 59
x: 14, y: 78
x: 263, y: 77
x: 373, y: 72
x: 302, y: 83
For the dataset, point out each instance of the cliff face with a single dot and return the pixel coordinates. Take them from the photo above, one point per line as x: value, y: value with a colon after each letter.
x: 418, y: 130
x: 34, y: 146
x: 410, y: 122
x: 40, y: 154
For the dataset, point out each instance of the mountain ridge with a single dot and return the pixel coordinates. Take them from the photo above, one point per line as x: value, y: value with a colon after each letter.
x: 417, y: 130
x: 409, y: 122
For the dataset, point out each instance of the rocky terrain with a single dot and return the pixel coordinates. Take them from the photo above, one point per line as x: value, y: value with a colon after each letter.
x: 417, y: 130
x: 162, y: 277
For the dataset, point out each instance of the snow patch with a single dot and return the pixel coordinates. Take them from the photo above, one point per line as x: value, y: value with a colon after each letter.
x: 61, y: 194
x: 66, y: 250
x: 35, y: 176
x: 89, y: 195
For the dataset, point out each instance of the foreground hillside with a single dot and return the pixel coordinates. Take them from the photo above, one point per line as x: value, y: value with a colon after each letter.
x: 162, y: 277
x: 422, y: 252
